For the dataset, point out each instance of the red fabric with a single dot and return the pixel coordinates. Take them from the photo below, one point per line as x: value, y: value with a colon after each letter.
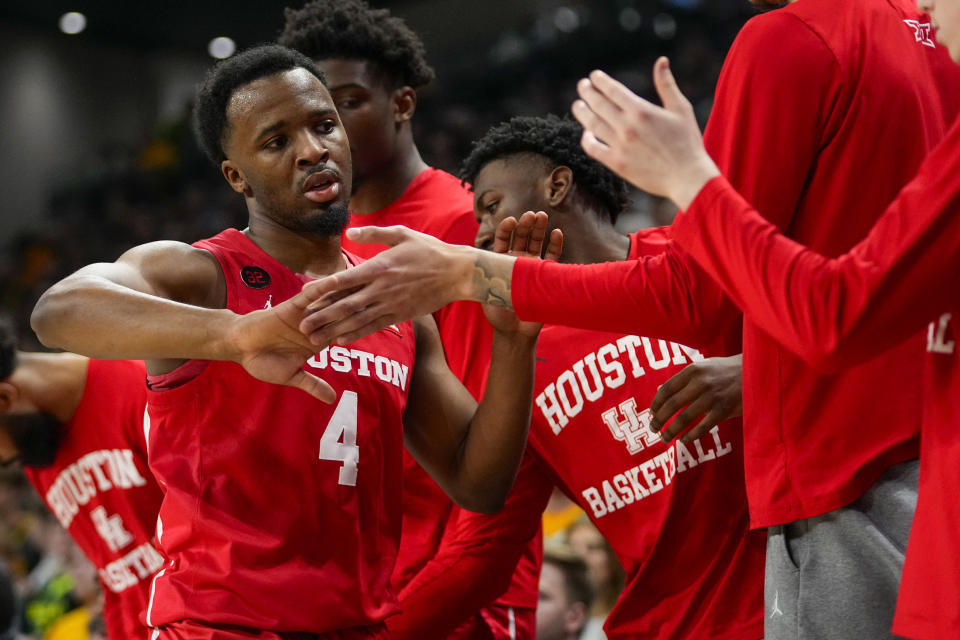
x: 823, y: 111
x: 103, y: 494
x: 194, y: 631
x: 263, y: 528
x: 693, y: 568
x: 835, y: 313
x: 498, y: 621
x: 436, y: 203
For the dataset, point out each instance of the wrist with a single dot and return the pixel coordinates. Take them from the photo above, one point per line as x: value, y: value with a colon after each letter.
x: 225, y: 333
x: 689, y: 183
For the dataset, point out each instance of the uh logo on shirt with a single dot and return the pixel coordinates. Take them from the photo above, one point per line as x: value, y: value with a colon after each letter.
x: 940, y: 336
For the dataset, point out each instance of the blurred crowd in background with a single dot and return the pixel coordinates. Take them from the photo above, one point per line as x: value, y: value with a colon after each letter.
x: 164, y: 188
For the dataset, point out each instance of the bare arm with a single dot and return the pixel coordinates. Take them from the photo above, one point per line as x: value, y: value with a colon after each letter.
x: 473, y: 451
x: 157, y: 301
x: 163, y: 302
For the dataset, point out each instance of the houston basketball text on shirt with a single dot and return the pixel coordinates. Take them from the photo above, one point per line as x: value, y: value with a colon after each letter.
x: 364, y: 363
x: 563, y: 398
x: 655, y: 473
x: 95, y: 472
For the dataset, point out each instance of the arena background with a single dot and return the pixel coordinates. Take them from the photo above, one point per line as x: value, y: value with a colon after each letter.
x: 97, y: 153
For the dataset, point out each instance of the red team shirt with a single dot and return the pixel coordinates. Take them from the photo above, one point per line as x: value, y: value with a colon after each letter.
x: 437, y: 204
x: 693, y: 569
x: 101, y: 491
x: 280, y: 512
x: 836, y: 313
x: 811, y: 96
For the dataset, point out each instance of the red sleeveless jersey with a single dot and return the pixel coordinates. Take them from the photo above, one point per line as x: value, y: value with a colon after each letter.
x: 101, y: 491
x: 280, y: 512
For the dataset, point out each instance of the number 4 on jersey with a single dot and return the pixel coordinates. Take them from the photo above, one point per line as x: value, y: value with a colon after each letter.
x: 339, y: 439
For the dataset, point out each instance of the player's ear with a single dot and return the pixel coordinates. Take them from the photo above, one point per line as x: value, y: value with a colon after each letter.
x: 8, y: 396
x: 404, y: 104
x: 234, y: 176
x: 558, y: 185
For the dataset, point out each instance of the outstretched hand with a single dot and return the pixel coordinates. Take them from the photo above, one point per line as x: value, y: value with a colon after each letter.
x: 658, y: 149
x: 712, y: 388
x: 417, y: 275
x: 523, y: 238
x: 269, y: 345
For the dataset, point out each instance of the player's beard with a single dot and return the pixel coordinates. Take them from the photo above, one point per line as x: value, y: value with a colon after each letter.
x: 330, y: 222
x: 36, y: 436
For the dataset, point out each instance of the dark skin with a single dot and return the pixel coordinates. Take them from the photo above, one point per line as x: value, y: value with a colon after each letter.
x: 711, y: 389
x: 377, y: 119
x: 49, y: 382
x: 287, y: 154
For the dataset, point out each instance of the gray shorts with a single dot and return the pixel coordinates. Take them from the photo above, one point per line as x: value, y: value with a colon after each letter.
x: 836, y: 576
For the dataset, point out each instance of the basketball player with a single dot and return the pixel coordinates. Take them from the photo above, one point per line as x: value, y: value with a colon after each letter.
x: 675, y: 515
x: 374, y: 64
x: 76, y: 426
x: 281, y: 512
x: 805, y: 106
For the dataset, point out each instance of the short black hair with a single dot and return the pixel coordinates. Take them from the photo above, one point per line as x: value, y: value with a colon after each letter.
x: 352, y: 29
x: 213, y: 94
x: 558, y: 140
x: 8, y: 348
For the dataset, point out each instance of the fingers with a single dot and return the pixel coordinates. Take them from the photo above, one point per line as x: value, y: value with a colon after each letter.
x: 699, y: 407
x: 672, y: 396
x: 591, y: 120
x: 530, y: 232
x: 615, y: 92
x: 667, y: 88
x: 351, y: 322
x: 390, y: 236
x: 503, y: 234
x: 314, y: 386
x: 555, y: 247
x: 703, y: 427
x: 523, y: 237
x: 596, y: 149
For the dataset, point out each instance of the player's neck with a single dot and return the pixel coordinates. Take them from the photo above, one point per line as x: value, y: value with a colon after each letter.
x: 311, y: 254
x: 588, y: 239
x: 53, y: 381
x: 385, y: 186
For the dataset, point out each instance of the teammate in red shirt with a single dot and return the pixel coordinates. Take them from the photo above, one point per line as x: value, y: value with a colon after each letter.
x: 76, y: 425
x: 281, y: 513
x: 803, y: 102
x: 675, y: 514
x: 374, y: 70
x: 838, y: 312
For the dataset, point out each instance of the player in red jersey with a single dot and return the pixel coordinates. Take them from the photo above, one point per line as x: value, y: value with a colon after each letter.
x: 76, y: 426
x: 838, y: 312
x: 675, y: 514
x: 281, y: 511
x: 805, y: 96
x: 374, y: 69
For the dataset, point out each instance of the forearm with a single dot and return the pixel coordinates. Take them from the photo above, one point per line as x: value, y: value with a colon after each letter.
x: 833, y: 312
x: 667, y: 296
x: 494, y: 441
x: 93, y: 316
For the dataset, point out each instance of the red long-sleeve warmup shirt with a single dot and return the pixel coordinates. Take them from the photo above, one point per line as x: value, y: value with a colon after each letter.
x: 836, y: 313
x: 824, y: 110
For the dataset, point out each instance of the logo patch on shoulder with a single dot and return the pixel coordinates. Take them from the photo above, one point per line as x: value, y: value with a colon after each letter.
x: 255, y: 277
